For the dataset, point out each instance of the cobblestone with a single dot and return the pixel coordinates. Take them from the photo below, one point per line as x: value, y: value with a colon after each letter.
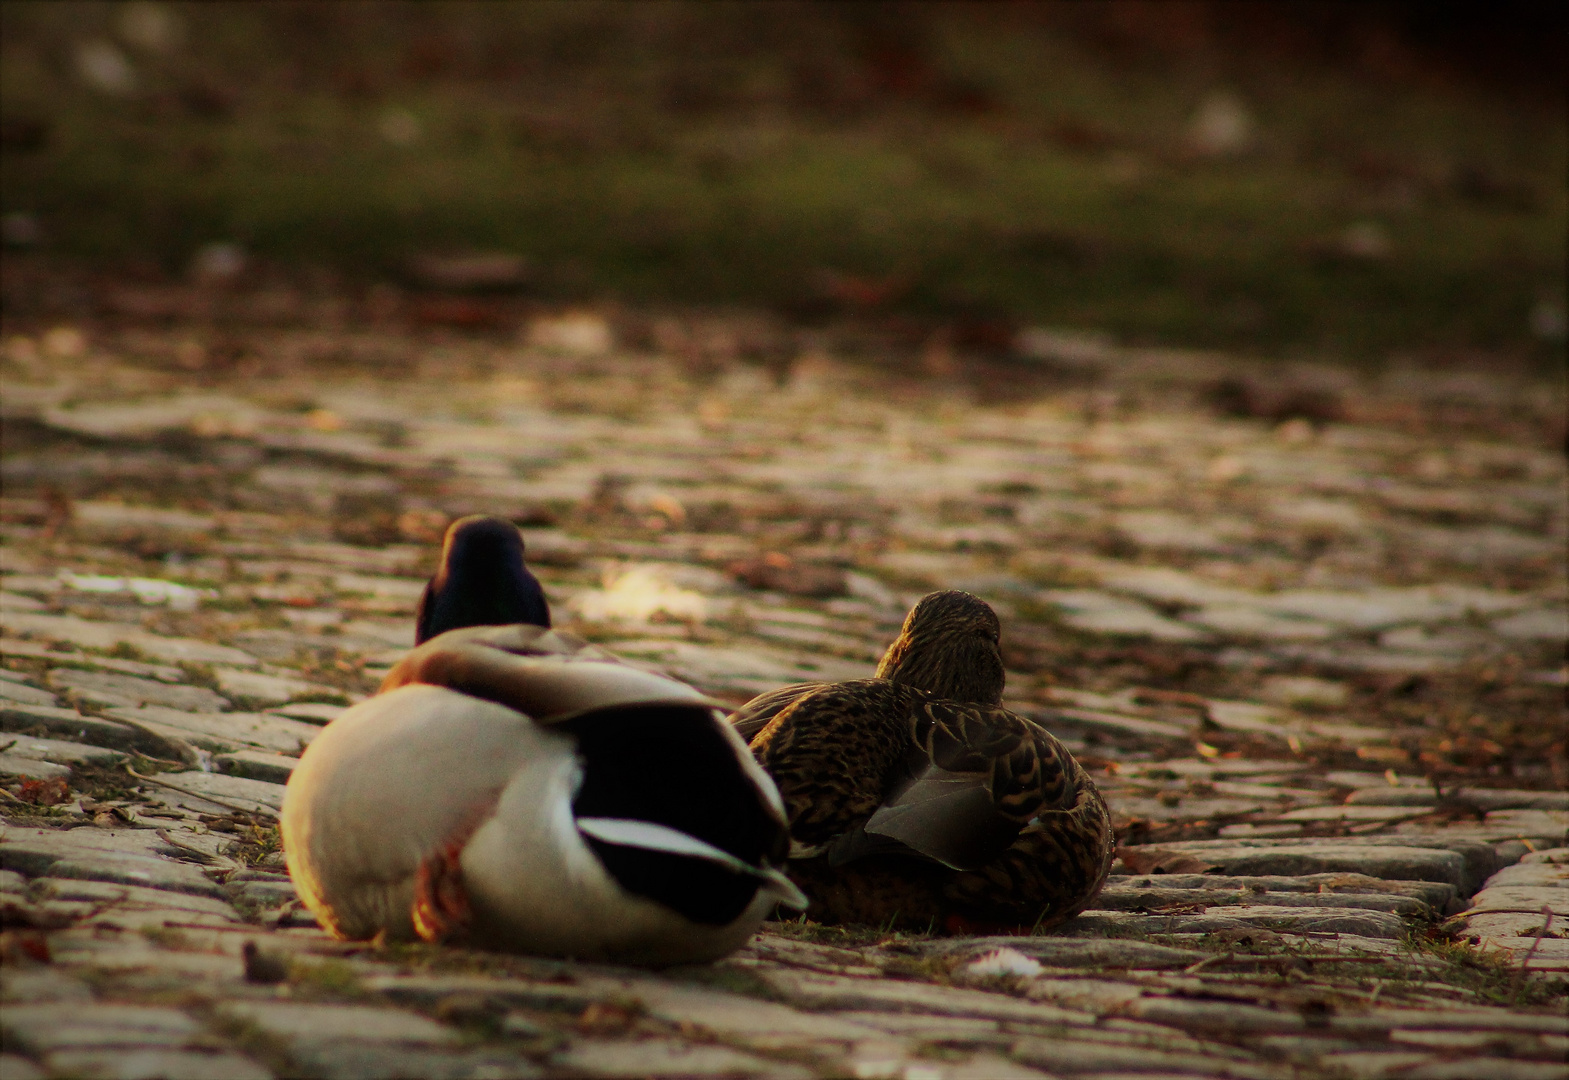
x: 1310, y: 666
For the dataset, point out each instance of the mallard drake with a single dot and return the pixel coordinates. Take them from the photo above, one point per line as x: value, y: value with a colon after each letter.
x: 517, y: 788
x: 915, y: 799
x: 481, y: 581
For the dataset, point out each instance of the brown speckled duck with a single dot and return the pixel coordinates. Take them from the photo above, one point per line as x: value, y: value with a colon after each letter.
x: 914, y: 799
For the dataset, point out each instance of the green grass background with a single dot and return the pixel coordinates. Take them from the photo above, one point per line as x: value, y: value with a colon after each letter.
x: 733, y: 153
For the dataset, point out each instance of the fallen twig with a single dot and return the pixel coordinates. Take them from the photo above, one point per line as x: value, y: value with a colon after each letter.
x: 259, y: 811
x: 1218, y: 958
x: 1525, y: 961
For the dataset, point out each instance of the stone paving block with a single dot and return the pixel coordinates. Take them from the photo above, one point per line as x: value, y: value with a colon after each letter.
x: 89, y: 634
x: 1421, y: 1066
x: 1436, y: 895
x: 1327, y: 920
x: 138, y: 691
x: 12, y: 882
x: 1509, y: 1043
x: 757, y: 1023
x: 605, y: 1057
x: 71, y: 658
x: 127, y: 856
x: 1541, y: 826
x: 155, y: 1065
x: 1329, y: 856
x: 1071, y: 1057
x: 255, y: 765
x: 59, y: 751
x: 814, y: 991
x: 328, y: 1060
x: 1522, y: 897
x: 956, y: 1030
x: 120, y: 897
x: 23, y: 694
x: 1074, y: 952
x: 22, y: 768
x: 319, y: 1021
x: 983, y: 1066
x: 15, y: 1067
x: 1102, y: 613
x: 70, y: 724
x: 37, y: 985
x: 253, y: 795
x: 266, y: 689
x: 227, y: 732
x: 140, y: 963
x: 1215, y: 1016
x: 46, y: 1029
x: 264, y: 893
x: 312, y: 712
x: 1127, y: 898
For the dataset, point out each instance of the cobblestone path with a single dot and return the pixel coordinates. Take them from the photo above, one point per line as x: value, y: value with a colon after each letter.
x: 1307, y: 631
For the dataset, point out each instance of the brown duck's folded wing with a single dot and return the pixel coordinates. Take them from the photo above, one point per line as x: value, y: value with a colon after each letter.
x: 545, y: 674
x: 974, y: 778
x: 755, y: 715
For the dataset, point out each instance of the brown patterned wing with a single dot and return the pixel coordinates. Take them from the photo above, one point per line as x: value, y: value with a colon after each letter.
x: 832, y: 750
x: 1052, y: 870
x: 755, y: 715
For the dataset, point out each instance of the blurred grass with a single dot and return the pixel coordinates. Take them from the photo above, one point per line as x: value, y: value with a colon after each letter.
x: 738, y: 153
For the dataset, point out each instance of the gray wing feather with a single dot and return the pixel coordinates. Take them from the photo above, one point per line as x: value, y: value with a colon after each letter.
x: 947, y: 816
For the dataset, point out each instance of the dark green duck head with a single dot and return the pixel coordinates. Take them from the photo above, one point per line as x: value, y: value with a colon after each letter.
x: 948, y: 647
x: 482, y: 581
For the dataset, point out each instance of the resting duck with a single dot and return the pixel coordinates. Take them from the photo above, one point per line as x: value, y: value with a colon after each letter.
x: 915, y: 799
x: 514, y: 787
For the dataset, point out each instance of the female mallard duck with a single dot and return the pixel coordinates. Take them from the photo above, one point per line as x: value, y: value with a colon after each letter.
x: 915, y: 799
x: 517, y: 788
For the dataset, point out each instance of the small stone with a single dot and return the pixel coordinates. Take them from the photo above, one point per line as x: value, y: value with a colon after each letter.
x: 263, y: 967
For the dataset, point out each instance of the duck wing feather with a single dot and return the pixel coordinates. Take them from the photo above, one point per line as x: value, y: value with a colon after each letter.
x: 875, y: 767
x: 756, y: 714
x: 547, y: 675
